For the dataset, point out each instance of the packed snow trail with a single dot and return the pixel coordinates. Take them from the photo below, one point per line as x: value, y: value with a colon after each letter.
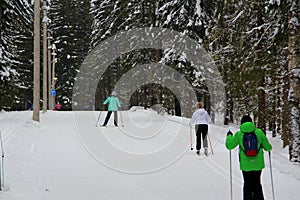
x: 51, y: 160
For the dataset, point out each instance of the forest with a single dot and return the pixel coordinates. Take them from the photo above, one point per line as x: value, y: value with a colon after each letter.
x: 254, y: 44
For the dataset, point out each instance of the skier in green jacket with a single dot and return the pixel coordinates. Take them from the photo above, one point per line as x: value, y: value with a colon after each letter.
x: 113, y: 105
x: 251, y: 166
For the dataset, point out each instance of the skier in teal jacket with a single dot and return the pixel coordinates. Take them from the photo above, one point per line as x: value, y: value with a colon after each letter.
x: 113, y: 105
x: 251, y: 166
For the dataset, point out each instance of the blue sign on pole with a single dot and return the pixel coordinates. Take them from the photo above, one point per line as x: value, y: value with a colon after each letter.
x: 53, y: 92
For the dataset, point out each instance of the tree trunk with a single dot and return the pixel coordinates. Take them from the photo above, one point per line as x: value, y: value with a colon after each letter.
x: 177, y: 107
x: 294, y: 72
x: 261, y: 114
x: 273, y: 117
x: 262, y: 106
x: 286, y: 110
x: 279, y: 119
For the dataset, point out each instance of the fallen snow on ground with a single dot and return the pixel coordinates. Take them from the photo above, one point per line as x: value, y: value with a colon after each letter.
x: 66, y: 156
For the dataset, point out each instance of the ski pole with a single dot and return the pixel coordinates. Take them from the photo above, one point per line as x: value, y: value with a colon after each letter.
x: 98, y: 118
x: 230, y: 170
x: 271, y: 176
x: 212, y: 152
x: 121, y: 118
x: 2, y: 163
x: 191, y: 138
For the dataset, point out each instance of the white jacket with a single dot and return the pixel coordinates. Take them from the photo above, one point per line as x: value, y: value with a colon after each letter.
x: 200, y: 116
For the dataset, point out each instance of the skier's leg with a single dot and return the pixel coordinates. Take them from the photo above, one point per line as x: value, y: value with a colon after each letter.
x: 198, y: 137
x: 258, y: 191
x: 107, y: 118
x: 204, y: 128
x: 247, y: 189
x: 116, y: 118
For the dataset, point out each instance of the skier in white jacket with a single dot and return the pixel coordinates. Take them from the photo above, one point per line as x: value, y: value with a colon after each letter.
x: 201, y: 119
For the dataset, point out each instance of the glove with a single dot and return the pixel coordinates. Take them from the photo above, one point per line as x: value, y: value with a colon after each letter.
x: 229, y: 133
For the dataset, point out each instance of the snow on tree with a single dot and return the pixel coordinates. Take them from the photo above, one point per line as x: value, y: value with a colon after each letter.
x: 187, y: 17
x: 15, y: 32
x: 71, y: 29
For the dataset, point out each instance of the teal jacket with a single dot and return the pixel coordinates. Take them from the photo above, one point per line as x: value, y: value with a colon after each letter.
x: 248, y: 163
x: 114, y: 103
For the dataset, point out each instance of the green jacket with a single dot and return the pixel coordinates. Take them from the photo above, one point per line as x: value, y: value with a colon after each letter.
x: 248, y: 163
x: 114, y: 103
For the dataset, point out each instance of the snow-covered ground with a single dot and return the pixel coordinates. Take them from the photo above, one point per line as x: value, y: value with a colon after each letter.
x: 66, y: 157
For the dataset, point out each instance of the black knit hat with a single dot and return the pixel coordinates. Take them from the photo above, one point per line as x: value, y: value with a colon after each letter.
x: 246, y: 118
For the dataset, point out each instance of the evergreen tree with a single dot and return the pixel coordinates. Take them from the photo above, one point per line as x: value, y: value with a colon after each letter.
x: 182, y: 16
x: 111, y: 17
x: 193, y: 19
x: 15, y: 55
x: 71, y: 28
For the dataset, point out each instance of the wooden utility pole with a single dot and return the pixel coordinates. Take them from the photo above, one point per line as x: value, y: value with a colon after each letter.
x: 54, y: 79
x: 49, y: 71
x: 36, y: 63
x: 45, y: 21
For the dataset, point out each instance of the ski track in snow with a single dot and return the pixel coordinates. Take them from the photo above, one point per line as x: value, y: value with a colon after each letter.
x: 47, y: 161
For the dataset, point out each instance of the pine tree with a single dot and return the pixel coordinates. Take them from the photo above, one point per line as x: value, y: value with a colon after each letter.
x: 15, y: 31
x: 71, y: 28
x: 193, y: 19
x: 111, y: 17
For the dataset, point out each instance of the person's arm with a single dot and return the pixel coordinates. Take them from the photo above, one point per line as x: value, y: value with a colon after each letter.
x: 208, y: 118
x: 232, y: 141
x: 106, y: 101
x: 192, y: 119
x: 265, y: 142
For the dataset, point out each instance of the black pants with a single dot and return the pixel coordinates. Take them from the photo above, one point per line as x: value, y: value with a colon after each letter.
x: 252, y: 185
x: 201, y: 130
x: 108, y: 116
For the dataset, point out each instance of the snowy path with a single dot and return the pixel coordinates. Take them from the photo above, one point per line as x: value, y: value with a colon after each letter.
x: 61, y: 158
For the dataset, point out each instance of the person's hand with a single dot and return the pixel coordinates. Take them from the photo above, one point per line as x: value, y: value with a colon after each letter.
x: 229, y: 132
